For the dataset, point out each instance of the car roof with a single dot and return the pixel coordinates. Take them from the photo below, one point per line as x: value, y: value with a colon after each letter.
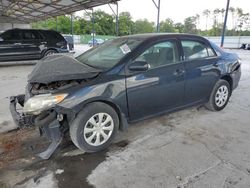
x: 43, y: 30
x: 146, y: 36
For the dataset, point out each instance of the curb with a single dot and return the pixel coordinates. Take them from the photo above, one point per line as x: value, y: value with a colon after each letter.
x: 18, y: 63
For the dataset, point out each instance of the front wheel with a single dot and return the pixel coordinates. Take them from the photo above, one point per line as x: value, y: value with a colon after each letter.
x: 219, y: 96
x: 94, y: 127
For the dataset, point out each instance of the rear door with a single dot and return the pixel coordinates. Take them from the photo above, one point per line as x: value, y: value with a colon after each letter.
x: 31, y: 44
x: 161, y: 87
x: 201, y: 69
x: 11, y: 47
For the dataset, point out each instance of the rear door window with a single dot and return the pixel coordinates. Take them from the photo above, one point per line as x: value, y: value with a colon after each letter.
x: 30, y: 35
x: 196, y: 50
x: 11, y: 35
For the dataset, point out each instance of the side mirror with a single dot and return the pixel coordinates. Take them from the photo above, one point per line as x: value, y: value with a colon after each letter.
x: 139, y: 66
x: 1, y: 39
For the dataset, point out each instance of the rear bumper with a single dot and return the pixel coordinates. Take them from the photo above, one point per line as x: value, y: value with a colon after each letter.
x: 61, y: 50
x: 236, y: 75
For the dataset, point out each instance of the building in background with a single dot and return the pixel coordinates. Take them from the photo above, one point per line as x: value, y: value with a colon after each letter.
x: 9, y: 23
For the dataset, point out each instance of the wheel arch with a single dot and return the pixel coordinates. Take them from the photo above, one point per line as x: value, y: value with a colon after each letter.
x: 44, y: 51
x: 123, y: 123
x: 229, y: 79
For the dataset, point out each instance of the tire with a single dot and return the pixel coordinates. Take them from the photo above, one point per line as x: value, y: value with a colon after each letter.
x: 49, y: 52
x: 219, y: 96
x: 82, y: 128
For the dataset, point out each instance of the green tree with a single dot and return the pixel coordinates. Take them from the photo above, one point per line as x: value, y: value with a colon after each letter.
x: 125, y: 23
x: 168, y: 26
x: 104, y: 23
x: 63, y: 23
x: 179, y: 27
x: 143, y: 26
x: 216, y: 30
x: 190, y: 25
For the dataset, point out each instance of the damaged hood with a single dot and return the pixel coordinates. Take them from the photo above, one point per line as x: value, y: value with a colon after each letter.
x: 60, y: 68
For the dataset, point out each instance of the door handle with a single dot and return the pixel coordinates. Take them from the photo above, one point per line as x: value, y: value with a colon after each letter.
x: 43, y: 42
x: 179, y: 72
x: 18, y: 43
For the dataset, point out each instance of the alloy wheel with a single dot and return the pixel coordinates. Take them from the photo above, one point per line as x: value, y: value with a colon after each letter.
x: 98, y: 129
x: 221, y: 96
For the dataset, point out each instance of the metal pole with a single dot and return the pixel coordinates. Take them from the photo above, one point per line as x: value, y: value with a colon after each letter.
x: 117, y: 19
x: 224, y: 25
x: 72, y: 29
x: 93, y: 27
x: 56, y: 24
x: 158, y: 16
x: 71, y: 23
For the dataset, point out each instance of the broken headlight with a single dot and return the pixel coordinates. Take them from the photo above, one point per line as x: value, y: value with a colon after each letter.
x: 35, y: 105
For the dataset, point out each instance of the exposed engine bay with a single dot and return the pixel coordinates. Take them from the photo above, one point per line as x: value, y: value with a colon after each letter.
x: 38, y: 88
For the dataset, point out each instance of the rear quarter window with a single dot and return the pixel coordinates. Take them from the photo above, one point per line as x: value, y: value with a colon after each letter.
x: 56, y: 35
x: 196, y: 50
x: 52, y: 35
x: 30, y: 35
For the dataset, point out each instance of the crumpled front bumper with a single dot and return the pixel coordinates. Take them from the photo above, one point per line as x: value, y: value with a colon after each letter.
x: 19, y: 118
x: 47, y: 123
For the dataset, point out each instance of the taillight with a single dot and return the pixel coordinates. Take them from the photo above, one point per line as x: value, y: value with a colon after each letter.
x: 60, y: 43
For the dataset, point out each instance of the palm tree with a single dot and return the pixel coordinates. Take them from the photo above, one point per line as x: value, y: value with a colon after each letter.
x: 243, y: 18
x: 216, y: 12
x: 239, y: 12
x: 222, y: 11
x: 197, y: 19
x: 240, y: 18
x: 206, y: 13
x: 232, y: 10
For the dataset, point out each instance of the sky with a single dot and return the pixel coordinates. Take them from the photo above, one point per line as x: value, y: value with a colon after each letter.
x: 177, y: 10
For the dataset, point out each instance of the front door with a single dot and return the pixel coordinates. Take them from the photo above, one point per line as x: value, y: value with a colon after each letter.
x: 10, y: 45
x: 161, y: 87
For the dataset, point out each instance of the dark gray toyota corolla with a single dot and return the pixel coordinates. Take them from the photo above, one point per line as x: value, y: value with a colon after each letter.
x: 124, y: 80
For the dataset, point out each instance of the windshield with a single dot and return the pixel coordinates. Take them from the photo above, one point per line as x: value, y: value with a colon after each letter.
x: 109, y: 53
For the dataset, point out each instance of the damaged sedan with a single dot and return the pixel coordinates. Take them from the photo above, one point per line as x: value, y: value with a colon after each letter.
x: 124, y: 80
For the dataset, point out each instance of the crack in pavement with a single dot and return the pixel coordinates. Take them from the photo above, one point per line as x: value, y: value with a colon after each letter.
x: 195, y: 176
x: 226, y: 162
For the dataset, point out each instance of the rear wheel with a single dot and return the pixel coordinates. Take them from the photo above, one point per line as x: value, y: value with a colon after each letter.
x: 49, y: 52
x: 94, y: 127
x: 219, y: 96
